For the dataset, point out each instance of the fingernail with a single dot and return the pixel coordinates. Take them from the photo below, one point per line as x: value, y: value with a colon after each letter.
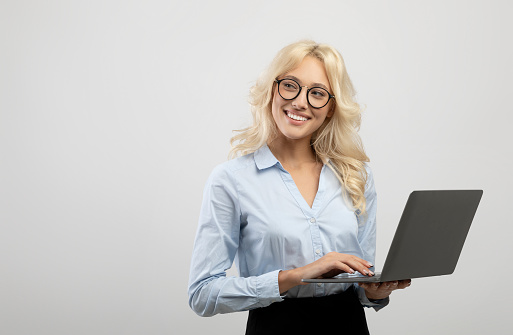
x: 372, y: 273
x: 365, y: 272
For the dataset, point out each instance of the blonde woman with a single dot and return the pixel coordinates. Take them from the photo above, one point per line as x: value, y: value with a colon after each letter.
x: 298, y: 202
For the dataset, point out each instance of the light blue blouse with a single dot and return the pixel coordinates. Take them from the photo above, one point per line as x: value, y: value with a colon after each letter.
x: 253, y: 213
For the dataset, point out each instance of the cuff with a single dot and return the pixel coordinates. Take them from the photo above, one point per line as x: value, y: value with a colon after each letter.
x: 268, y: 290
x: 376, y: 304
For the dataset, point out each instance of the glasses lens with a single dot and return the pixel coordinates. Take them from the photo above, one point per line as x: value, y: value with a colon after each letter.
x: 288, y: 89
x: 318, y: 97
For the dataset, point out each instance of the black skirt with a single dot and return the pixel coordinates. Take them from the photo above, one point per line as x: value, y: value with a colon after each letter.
x: 337, y: 314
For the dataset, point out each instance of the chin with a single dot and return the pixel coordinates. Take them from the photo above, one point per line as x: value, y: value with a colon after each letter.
x: 293, y: 135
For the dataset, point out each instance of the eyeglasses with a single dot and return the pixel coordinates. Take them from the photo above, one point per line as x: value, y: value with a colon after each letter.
x: 317, y: 97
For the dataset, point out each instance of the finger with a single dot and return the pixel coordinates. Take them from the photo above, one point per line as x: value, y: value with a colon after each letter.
x: 387, y: 287
x: 404, y: 284
x: 363, y: 262
x: 365, y: 272
x: 360, y: 267
x: 353, y: 260
x: 344, y: 267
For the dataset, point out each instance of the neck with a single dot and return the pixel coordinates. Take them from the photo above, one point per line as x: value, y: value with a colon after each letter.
x: 293, y: 153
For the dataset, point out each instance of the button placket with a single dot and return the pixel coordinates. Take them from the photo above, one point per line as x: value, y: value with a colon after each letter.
x: 317, y: 249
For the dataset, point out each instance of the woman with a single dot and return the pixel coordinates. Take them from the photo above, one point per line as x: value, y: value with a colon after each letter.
x: 298, y: 203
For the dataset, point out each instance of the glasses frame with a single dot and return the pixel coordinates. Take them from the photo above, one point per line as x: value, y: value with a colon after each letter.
x: 278, y: 81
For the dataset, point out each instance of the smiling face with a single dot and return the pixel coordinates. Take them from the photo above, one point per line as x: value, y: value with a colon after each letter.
x: 295, y: 118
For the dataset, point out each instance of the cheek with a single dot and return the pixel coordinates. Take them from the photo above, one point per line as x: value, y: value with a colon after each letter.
x: 276, y: 105
x: 324, y: 114
x: 274, y: 109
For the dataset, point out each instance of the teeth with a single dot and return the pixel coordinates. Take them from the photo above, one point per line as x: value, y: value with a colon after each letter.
x: 296, y: 117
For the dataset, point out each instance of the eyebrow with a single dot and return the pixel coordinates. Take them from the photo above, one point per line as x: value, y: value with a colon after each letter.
x: 313, y: 84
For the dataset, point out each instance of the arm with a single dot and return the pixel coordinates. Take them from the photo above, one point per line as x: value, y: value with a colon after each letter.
x: 215, y: 246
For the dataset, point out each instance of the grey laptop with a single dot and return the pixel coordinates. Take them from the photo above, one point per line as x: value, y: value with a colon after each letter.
x: 428, y: 239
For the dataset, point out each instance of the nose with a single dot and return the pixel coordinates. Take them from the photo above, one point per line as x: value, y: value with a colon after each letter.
x: 301, y: 101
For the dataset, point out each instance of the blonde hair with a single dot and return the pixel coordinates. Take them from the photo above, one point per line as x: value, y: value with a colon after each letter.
x: 336, y: 140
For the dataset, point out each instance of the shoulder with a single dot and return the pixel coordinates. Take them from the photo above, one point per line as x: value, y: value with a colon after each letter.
x: 227, y: 171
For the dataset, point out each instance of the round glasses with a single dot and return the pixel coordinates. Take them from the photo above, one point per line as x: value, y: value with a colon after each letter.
x: 290, y: 89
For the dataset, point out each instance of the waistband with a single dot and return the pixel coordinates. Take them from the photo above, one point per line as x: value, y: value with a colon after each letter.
x: 338, y: 313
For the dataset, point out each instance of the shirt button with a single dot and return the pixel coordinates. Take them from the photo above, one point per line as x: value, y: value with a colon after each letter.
x: 312, y: 220
x: 317, y: 251
x: 319, y: 284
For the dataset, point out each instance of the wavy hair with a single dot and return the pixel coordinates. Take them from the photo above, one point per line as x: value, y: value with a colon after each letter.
x: 336, y: 142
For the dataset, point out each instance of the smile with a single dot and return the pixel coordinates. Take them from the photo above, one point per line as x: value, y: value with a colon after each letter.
x: 295, y: 117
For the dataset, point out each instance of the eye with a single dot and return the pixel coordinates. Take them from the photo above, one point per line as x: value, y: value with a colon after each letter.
x: 289, y: 85
x: 318, y: 93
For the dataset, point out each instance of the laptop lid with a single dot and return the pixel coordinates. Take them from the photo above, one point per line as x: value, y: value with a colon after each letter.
x: 430, y: 235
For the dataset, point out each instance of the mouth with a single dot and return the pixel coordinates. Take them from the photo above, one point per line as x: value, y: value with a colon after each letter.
x: 296, y: 117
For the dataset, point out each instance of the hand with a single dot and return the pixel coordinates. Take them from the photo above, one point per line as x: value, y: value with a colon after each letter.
x: 377, y: 291
x: 335, y: 263
x: 327, y: 266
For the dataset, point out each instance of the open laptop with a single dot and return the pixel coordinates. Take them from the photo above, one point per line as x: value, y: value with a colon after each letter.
x: 428, y: 240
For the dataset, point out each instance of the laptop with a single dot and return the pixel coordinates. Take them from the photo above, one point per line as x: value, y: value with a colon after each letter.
x: 428, y: 240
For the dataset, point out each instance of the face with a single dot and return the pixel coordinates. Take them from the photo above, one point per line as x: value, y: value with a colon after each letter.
x: 296, y: 119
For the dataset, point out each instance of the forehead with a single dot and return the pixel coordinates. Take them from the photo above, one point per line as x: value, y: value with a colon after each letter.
x: 310, y: 71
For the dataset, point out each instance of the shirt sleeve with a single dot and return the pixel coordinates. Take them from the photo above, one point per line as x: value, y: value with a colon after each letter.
x: 367, y: 236
x: 216, y: 243
x: 376, y: 304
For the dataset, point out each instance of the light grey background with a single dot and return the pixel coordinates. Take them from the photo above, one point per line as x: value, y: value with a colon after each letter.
x: 113, y: 114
